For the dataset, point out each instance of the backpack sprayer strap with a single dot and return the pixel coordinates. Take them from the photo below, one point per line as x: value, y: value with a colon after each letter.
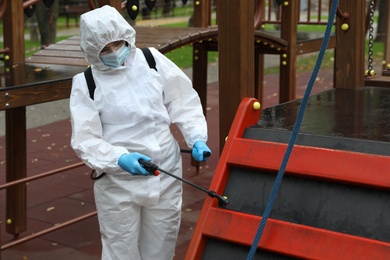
x: 91, y: 88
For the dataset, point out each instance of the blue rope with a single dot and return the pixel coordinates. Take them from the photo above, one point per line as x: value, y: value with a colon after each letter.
x: 279, y: 176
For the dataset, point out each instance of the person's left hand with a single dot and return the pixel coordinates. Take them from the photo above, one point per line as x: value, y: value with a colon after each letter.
x: 201, y: 152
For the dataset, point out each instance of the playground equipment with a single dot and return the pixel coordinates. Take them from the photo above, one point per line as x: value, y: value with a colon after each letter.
x: 328, y: 206
x: 28, y: 84
x: 335, y: 194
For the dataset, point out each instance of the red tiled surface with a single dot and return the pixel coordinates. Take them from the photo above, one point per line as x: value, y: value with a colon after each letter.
x: 61, y: 197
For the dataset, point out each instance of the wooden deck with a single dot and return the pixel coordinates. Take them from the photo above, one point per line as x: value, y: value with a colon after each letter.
x: 67, y: 52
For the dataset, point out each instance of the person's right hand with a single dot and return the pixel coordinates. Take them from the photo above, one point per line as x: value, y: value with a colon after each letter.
x: 130, y: 163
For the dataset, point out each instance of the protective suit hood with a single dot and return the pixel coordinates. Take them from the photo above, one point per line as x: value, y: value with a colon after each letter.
x: 100, y: 27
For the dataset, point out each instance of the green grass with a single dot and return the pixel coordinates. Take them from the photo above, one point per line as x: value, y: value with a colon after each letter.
x: 301, y: 28
x: 182, y: 57
x: 307, y: 62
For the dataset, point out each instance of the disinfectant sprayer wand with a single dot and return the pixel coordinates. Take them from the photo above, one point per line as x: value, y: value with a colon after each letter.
x: 155, y: 170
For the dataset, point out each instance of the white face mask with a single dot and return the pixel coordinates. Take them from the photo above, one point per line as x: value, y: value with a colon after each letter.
x: 116, y: 59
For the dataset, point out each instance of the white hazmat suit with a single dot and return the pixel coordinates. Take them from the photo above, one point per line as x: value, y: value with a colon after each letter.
x: 132, y: 111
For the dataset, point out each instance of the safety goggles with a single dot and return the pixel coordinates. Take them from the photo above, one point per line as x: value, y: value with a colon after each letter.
x: 112, y: 47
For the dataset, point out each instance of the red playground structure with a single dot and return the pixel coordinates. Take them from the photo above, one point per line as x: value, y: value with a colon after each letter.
x: 335, y: 197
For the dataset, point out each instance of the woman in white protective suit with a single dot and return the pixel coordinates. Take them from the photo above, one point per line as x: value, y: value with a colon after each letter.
x: 128, y: 120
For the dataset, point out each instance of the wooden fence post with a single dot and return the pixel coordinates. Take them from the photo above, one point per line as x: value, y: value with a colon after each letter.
x: 16, y: 197
x: 350, y: 45
x: 235, y: 58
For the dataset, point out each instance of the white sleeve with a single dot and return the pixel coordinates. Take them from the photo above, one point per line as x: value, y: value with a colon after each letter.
x: 87, y: 138
x: 181, y: 100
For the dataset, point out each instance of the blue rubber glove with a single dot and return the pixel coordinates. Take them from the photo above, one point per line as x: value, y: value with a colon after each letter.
x: 201, y: 152
x: 129, y: 162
